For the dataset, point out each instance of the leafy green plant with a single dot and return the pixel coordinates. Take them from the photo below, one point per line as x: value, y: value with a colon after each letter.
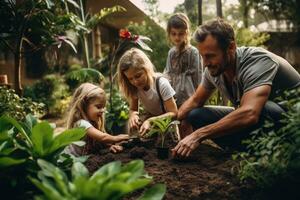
x: 13, y: 105
x: 76, y: 77
x: 117, y: 117
x: 161, y: 126
x: 50, y: 91
x: 21, y: 144
x: 273, y: 153
x: 111, y: 181
x: 28, y: 26
x: 246, y: 37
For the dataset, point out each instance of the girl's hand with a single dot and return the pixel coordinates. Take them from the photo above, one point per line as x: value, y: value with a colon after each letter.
x: 115, y: 148
x: 134, y: 120
x: 145, y: 127
x: 121, y: 137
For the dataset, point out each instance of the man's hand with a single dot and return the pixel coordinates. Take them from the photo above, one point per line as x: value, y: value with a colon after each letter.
x: 186, y: 145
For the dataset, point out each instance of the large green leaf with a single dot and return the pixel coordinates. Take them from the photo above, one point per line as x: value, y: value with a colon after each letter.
x: 136, y: 167
x: 60, y: 178
x: 156, y: 192
x: 6, y: 122
x: 108, y: 170
x: 42, y: 138
x: 79, y: 170
x: 67, y: 137
x: 8, y: 161
x: 49, y: 191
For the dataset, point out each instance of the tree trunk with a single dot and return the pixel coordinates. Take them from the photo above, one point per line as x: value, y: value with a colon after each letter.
x: 18, y: 68
x: 245, y: 11
x: 219, y: 8
x: 199, y: 12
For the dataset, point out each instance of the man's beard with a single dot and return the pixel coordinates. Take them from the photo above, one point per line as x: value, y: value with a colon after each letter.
x: 222, y: 67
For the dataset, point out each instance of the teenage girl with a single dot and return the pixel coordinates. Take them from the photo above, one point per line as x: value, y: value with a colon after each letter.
x: 184, y: 65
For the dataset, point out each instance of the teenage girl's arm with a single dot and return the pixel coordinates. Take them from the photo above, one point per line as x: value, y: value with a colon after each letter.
x: 105, y: 137
x: 134, y: 119
x: 171, y: 110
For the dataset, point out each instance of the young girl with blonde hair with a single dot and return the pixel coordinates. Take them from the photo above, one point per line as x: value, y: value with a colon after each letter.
x: 141, y: 85
x: 87, y: 110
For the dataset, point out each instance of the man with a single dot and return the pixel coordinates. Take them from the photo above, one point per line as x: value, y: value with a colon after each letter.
x: 249, y: 77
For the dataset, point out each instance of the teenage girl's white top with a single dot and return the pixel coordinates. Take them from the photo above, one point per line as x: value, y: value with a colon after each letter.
x: 150, y: 99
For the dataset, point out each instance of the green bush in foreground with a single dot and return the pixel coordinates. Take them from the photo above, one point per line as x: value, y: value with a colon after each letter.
x: 110, y: 182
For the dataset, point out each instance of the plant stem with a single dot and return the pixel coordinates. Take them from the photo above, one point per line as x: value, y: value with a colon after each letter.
x: 84, y: 36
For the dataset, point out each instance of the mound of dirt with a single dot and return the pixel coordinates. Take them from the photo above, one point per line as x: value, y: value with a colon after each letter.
x: 206, y: 174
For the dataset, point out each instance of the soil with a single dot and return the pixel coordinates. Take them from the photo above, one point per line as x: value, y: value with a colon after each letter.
x: 206, y: 174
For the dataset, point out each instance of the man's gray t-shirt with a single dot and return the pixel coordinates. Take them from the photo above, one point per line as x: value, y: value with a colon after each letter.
x: 255, y: 67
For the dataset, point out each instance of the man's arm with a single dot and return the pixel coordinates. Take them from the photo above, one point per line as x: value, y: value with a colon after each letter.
x: 246, y: 115
x: 196, y: 100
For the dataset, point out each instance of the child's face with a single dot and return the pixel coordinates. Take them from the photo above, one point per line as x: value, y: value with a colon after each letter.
x: 137, y: 78
x: 95, y: 109
x: 177, y: 36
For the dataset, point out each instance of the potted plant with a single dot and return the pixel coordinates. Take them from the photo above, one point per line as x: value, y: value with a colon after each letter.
x: 160, y: 126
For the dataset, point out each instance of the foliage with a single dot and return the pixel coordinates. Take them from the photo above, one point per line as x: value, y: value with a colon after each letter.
x: 76, y: 77
x: 159, y: 41
x: 27, y: 26
x: 161, y: 126
x: 273, y: 153
x: 246, y: 37
x: 85, y: 23
x: 118, y: 116
x: 111, y: 181
x: 279, y: 9
x: 22, y: 143
x: 190, y: 7
x: 50, y: 90
x: 13, y: 105
x: 38, y: 139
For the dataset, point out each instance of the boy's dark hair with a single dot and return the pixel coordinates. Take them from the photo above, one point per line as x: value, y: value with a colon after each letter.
x: 219, y: 29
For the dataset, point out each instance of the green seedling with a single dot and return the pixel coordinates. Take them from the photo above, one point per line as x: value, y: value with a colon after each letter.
x: 161, y: 126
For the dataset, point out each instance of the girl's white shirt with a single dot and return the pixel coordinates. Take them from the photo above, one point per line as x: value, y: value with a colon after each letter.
x: 150, y: 99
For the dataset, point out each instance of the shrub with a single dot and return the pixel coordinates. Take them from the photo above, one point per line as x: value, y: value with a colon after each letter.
x: 273, y: 153
x: 50, y: 91
x: 13, y: 105
x: 21, y: 144
x: 111, y: 181
x: 79, y: 76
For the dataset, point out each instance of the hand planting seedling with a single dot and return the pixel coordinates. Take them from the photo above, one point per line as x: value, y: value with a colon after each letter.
x: 160, y: 126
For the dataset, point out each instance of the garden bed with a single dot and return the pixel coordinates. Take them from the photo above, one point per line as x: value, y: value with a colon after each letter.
x: 207, y: 174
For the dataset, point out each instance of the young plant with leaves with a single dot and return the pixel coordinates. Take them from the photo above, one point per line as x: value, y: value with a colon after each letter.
x: 111, y: 181
x: 161, y: 127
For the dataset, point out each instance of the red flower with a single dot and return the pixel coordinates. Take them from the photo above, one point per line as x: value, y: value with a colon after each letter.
x: 125, y: 34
